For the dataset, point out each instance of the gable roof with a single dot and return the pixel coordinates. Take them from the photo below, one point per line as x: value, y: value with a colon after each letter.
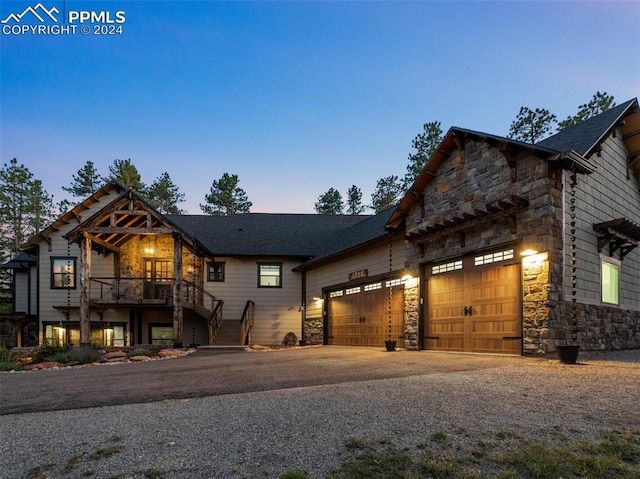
x: 587, y: 135
x: 569, y: 147
x: 21, y: 261
x: 267, y: 234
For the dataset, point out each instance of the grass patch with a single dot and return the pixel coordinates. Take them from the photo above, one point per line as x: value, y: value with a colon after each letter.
x: 106, y: 452
x: 38, y: 472
x: 73, y: 462
x: 294, y: 475
x: 138, y: 352
x: 500, y: 455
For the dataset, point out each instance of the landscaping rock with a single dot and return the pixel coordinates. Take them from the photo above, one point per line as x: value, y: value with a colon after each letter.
x: 115, y: 355
x: 139, y: 358
x: 45, y: 365
x: 169, y: 353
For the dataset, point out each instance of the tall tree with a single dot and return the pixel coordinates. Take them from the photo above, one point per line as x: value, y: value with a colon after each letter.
x: 164, y: 195
x: 600, y: 102
x: 329, y: 203
x: 386, y: 194
x: 530, y: 126
x: 126, y: 175
x: 86, y: 182
x: 425, y: 144
x: 226, y: 197
x: 354, y: 201
x: 25, y: 207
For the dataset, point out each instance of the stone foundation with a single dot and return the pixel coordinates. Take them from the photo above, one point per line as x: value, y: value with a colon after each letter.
x: 312, y: 330
x: 411, y: 315
x: 597, y: 327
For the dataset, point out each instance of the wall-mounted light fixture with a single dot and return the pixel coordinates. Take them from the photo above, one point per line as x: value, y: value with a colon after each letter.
x: 528, y: 252
x: 318, y: 297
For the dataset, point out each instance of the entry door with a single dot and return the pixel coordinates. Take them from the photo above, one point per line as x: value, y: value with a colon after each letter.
x: 158, y: 275
x: 362, y: 318
x: 475, y: 308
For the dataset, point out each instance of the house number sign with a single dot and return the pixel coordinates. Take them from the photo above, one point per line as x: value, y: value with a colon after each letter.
x: 363, y: 273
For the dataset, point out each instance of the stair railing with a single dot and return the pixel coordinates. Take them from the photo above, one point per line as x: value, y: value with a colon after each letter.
x: 246, y: 322
x: 215, y: 320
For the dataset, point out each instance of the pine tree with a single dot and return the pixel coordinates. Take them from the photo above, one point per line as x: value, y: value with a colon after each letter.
x: 354, y: 201
x: 531, y: 126
x: 600, y: 102
x: 226, y: 197
x: 425, y: 144
x: 329, y: 203
x: 86, y: 182
x: 164, y: 195
x: 126, y: 175
x: 386, y: 194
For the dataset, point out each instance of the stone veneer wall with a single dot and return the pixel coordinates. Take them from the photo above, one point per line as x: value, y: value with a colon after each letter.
x: 411, y: 314
x: 598, y: 327
x: 312, y: 330
x: 484, y: 177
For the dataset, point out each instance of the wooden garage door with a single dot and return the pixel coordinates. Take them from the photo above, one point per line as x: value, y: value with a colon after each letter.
x: 474, y: 305
x: 359, y: 316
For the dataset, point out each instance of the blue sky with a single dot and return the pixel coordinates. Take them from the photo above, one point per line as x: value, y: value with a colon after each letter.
x: 296, y: 97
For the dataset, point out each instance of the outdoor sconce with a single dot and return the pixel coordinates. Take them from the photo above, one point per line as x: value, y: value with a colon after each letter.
x: 528, y: 252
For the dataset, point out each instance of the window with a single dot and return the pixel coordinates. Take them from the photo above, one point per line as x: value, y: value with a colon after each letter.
x: 215, y: 271
x: 162, y: 335
x: 63, y: 273
x: 446, y: 267
x: 493, y: 257
x: 269, y: 275
x: 610, y: 279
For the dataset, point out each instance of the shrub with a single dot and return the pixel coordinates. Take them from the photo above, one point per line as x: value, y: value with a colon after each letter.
x: 48, y: 352
x: 86, y: 355
x: 9, y: 356
x: 9, y: 366
x: 139, y: 352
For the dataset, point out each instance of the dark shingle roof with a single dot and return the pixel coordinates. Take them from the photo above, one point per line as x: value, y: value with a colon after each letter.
x: 266, y: 234
x: 585, y: 136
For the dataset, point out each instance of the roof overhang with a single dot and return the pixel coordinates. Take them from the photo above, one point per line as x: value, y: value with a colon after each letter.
x: 619, y: 234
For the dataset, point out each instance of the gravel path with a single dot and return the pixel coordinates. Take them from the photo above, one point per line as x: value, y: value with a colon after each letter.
x: 265, y: 433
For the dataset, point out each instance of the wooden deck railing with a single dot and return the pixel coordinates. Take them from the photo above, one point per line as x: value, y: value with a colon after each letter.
x: 246, y: 322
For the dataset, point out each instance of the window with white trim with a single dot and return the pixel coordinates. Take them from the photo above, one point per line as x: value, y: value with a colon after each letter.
x: 372, y: 286
x: 335, y: 294
x: 610, y: 280
x: 352, y: 290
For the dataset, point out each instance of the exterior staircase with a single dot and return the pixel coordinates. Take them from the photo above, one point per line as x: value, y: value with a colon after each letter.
x: 228, y: 334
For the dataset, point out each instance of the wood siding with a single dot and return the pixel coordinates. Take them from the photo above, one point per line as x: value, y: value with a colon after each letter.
x: 277, y: 310
x: 604, y: 195
x: 374, y: 259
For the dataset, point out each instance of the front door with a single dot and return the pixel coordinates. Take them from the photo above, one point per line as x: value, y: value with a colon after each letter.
x: 158, y: 275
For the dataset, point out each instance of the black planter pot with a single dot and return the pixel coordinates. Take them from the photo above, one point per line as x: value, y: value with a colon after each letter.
x: 303, y: 342
x: 390, y: 345
x: 568, y: 354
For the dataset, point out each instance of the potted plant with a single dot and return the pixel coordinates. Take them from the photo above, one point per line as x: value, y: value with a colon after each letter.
x: 390, y: 344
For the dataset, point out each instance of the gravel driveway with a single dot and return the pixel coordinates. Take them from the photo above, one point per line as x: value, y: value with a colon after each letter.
x: 259, y: 414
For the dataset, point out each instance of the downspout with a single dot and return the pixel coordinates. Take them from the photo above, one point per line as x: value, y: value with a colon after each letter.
x: 303, y: 302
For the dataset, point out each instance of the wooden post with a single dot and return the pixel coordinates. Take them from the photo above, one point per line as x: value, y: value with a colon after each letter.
x: 177, y: 290
x: 85, y: 290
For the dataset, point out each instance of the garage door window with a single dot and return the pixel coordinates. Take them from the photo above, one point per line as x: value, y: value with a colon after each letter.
x: 493, y: 257
x: 445, y: 267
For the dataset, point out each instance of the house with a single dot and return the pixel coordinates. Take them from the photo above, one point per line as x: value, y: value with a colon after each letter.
x: 113, y: 271
x: 499, y: 246
x: 522, y: 247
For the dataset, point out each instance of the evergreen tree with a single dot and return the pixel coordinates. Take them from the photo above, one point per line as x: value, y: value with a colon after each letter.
x: 86, y: 182
x: 164, y: 195
x: 25, y: 207
x: 354, y: 201
x: 126, y: 175
x: 600, y: 102
x: 226, y: 197
x: 329, y: 203
x: 531, y: 126
x: 425, y: 144
x: 386, y: 194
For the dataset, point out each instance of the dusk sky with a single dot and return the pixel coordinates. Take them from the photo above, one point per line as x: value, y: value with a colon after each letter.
x: 295, y: 97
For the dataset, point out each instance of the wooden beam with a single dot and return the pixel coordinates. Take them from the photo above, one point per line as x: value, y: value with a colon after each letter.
x: 177, y: 291
x: 505, y: 205
x: 133, y: 231
x: 511, y: 160
x: 85, y: 290
x: 104, y: 244
x: 511, y: 221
